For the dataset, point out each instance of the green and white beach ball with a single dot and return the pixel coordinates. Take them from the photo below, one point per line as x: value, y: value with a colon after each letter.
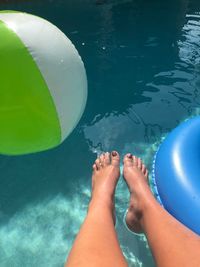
x: 43, y: 84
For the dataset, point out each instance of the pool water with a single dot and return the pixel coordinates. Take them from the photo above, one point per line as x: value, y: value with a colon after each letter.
x: 143, y: 65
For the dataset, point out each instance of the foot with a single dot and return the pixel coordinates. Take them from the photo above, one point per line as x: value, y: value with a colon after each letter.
x: 105, y: 176
x: 136, y: 177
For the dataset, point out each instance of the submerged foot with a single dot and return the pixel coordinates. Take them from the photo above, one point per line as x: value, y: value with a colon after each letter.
x: 136, y: 177
x: 105, y: 176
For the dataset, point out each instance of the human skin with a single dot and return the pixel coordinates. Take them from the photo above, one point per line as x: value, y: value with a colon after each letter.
x: 97, y: 245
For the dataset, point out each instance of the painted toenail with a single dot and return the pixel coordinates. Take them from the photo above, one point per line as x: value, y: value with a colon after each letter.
x: 129, y: 156
x: 114, y: 153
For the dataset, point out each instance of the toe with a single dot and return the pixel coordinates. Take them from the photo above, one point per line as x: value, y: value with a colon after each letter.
x: 135, y: 161
x: 146, y: 174
x: 94, y: 167
x: 102, y: 159
x: 128, y: 160
x: 115, y: 158
x: 107, y: 158
x: 98, y: 163
x: 143, y: 169
x: 139, y: 164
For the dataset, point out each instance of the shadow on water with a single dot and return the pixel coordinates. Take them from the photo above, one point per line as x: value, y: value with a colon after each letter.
x: 25, y: 179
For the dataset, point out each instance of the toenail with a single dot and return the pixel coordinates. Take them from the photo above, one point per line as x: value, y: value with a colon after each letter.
x: 129, y: 156
x: 114, y: 153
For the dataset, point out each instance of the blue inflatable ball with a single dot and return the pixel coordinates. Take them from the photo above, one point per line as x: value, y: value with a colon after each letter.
x: 176, y: 174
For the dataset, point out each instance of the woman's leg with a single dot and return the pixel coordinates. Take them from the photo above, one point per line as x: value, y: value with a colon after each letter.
x: 172, y: 244
x: 96, y: 244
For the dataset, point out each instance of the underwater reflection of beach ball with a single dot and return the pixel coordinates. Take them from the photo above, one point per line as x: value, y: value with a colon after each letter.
x: 43, y: 84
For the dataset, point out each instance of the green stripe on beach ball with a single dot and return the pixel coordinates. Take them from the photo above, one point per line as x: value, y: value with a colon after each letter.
x: 9, y: 11
x: 28, y: 117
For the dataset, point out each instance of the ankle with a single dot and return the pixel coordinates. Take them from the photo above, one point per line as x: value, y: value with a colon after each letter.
x: 101, y: 210
x: 148, y: 206
x: 99, y: 202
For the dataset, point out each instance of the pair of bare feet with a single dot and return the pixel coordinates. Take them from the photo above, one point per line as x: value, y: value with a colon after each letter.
x: 106, y: 173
